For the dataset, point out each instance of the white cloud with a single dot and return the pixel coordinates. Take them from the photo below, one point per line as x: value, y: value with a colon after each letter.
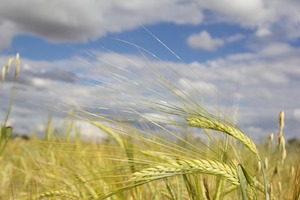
x: 243, y: 12
x: 75, y: 20
x: 265, y: 83
x: 82, y: 21
x: 277, y: 49
x: 235, y: 38
x: 204, y: 40
x: 296, y: 114
x: 157, y: 118
x: 8, y: 30
x: 276, y: 18
x: 204, y: 88
x: 263, y: 32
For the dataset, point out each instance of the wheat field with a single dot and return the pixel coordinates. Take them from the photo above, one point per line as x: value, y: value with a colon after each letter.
x: 168, y: 161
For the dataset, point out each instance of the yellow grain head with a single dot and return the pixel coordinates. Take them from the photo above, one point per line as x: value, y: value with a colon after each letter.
x: 9, y: 63
x: 293, y: 171
x: 17, y: 70
x: 270, y: 189
x: 281, y: 142
x: 271, y: 138
x: 258, y: 166
x: 266, y: 164
x: 255, y: 181
x: 283, y: 156
x: 281, y: 120
x: 3, y: 73
x: 279, y: 188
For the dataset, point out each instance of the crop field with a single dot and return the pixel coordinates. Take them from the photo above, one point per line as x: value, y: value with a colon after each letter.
x: 193, y: 153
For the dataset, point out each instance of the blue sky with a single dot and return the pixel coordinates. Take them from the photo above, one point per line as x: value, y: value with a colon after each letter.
x: 233, y: 52
x: 37, y: 48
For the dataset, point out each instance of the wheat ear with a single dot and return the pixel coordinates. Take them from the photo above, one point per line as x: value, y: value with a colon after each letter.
x: 206, y: 123
x: 186, y: 166
x: 57, y: 194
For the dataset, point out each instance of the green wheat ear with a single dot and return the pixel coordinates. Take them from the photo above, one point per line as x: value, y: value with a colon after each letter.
x: 206, y: 123
x: 187, y: 166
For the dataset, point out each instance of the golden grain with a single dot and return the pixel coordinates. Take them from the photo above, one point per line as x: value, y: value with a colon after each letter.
x: 3, y: 73
x: 258, y: 167
x: 283, y: 156
x: 271, y: 138
x: 281, y: 120
x: 17, y: 70
x: 59, y: 193
x: 279, y: 188
x: 293, y: 171
x: 266, y: 164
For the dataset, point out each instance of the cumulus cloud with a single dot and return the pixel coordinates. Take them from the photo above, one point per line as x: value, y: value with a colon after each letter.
x: 246, y: 13
x: 296, y: 114
x: 204, y: 88
x: 235, y: 38
x: 277, y: 19
x: 73, y: 21
x: 263, y: 83
x: 204, y: 40
x: 277, y: 49
x: 8, y: 30
x: 263, y: 32
x: 82, y: 21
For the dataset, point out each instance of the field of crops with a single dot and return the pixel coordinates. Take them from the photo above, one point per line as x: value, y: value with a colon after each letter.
x: 200, y: 155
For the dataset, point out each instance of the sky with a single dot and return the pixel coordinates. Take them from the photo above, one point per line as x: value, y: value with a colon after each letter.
x: 240, y: 56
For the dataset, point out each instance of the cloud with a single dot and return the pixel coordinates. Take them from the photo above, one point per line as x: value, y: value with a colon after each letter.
x: 263, y: 32
x: 263, y: 82
x: 157, y: 118
x: 235, y: 38
x: 296, y: 114
x: 275, y: 19
x: 205, y: 41
x: 243, y: 12
x: 277, y: 49
x: 204, y: 88
x: 8, y: 30
x: 78, y: 21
